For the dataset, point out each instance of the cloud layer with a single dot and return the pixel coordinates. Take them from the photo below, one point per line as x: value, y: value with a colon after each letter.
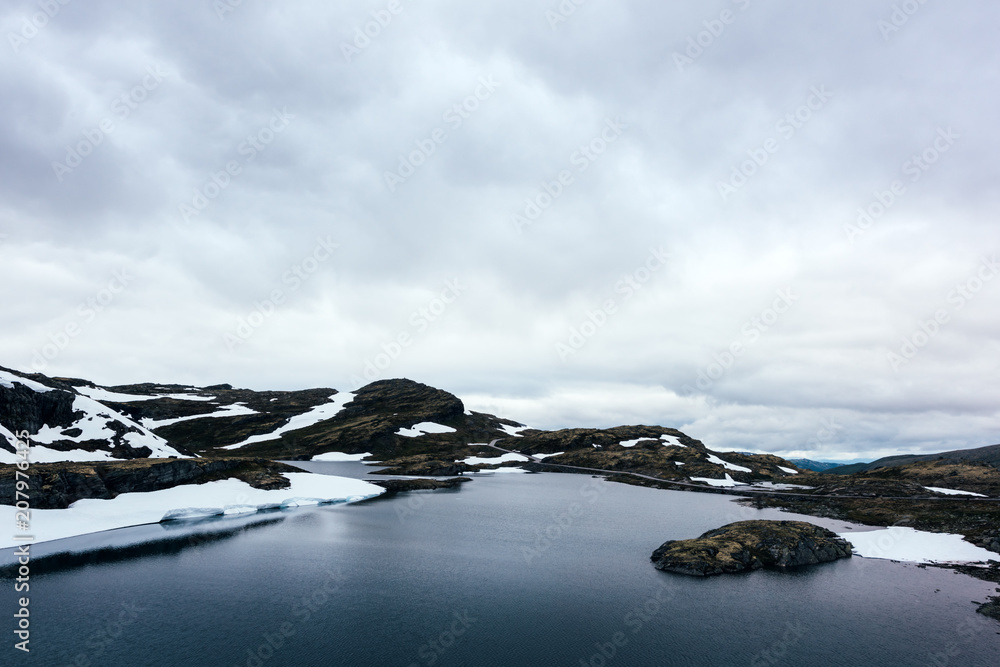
x: 773, y: 227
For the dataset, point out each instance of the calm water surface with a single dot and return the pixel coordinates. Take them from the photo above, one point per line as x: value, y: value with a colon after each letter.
x: 509, y: 570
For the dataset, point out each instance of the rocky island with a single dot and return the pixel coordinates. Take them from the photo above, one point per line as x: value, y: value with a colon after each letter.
x: 751, y: 545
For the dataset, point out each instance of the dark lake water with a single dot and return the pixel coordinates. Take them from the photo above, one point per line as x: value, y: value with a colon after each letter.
x: 509, y: 570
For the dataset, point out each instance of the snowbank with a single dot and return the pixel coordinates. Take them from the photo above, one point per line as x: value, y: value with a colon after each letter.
x: 230, y: 496
x: 908, y: 544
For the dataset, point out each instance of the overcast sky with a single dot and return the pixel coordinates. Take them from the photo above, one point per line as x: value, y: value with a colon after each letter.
x: 615, y: 213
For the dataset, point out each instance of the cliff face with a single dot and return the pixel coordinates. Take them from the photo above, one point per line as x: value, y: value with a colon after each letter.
x: 751, y: 545
x: 25, y: 409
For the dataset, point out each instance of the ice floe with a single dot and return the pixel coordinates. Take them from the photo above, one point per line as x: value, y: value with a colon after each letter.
x: 304, y: 420
x: 907, y: 544
x: 187, y: 501
x: 728, y: 466
x: 423, y: 428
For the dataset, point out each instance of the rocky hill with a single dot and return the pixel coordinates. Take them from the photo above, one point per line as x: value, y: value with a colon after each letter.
x: 411, y: 427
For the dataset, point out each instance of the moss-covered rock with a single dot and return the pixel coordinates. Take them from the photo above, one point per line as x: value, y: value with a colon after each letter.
x: 751, y: 545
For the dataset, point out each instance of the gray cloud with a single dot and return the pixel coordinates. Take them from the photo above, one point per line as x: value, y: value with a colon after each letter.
x: 199, y: 277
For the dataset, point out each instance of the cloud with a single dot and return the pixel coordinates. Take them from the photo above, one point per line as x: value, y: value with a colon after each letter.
x: 799, y: 149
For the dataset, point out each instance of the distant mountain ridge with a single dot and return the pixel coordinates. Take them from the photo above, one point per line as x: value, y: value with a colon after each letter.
x: 820, y: 466
x: 989, y: 455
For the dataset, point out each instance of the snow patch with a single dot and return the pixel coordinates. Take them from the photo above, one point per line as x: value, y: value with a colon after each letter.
x: 94, y: 426
x: 340, y: 456
x: 788, y: 470
x: 8, y: 380
x: 510, y: 456
x: 633, y: 443
x: 423, y: 428
x: 728, y: 481
x: 669, y: 440
x: 728, y: 466
x: 227, y: 411
x: 908, y: 544
x: 545, y: 456
x: 100, y: 394
x: 954, y: 492
x: 513, y: 430
x: 185, y: 501
x: 305, y: 420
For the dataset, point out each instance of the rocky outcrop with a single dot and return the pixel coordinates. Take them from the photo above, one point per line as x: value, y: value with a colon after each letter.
x: 421, y: 466
x: 400, y: 485
x: 58, y: 485
x: 991, y: 608
x: 751, y: 545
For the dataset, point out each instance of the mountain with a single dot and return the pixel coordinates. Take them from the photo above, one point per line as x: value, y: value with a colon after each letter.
x: 820, y: 466
x: 989, y: 455
x: 411, y: 427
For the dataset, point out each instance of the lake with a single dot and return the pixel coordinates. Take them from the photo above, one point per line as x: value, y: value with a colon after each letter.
x: 510, y: 569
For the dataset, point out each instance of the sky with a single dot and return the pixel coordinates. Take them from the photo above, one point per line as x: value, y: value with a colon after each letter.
x: 771, y: 225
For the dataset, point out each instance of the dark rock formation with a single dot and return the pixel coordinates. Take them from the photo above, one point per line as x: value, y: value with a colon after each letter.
x: 400, y: 485
x: 58, y: 485
x: 423, y: 465
x: 751, y: 545
x: 991, y: 608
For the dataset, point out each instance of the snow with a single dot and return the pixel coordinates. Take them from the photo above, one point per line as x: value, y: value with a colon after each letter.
x: 513, y: 430
x: 424, y: 427
x: 475, y: 460
x: 954, y: 492
x: 502, y: 471
x: 728, y: 466
x: 545, y: 456
x: 632, y: 443
x: 185, y: 501
x: 94, y: 426
x: 908, y: 544
x: 304, y: 420
x: 678, y: 463
x: 669, y: 440
x: 99, y: 394
x: 728, y: 481
x: 779, y: 486
x: 8, y: 380
x: 227, y: 411
x: 788, y: 470
x: 340, y: 456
